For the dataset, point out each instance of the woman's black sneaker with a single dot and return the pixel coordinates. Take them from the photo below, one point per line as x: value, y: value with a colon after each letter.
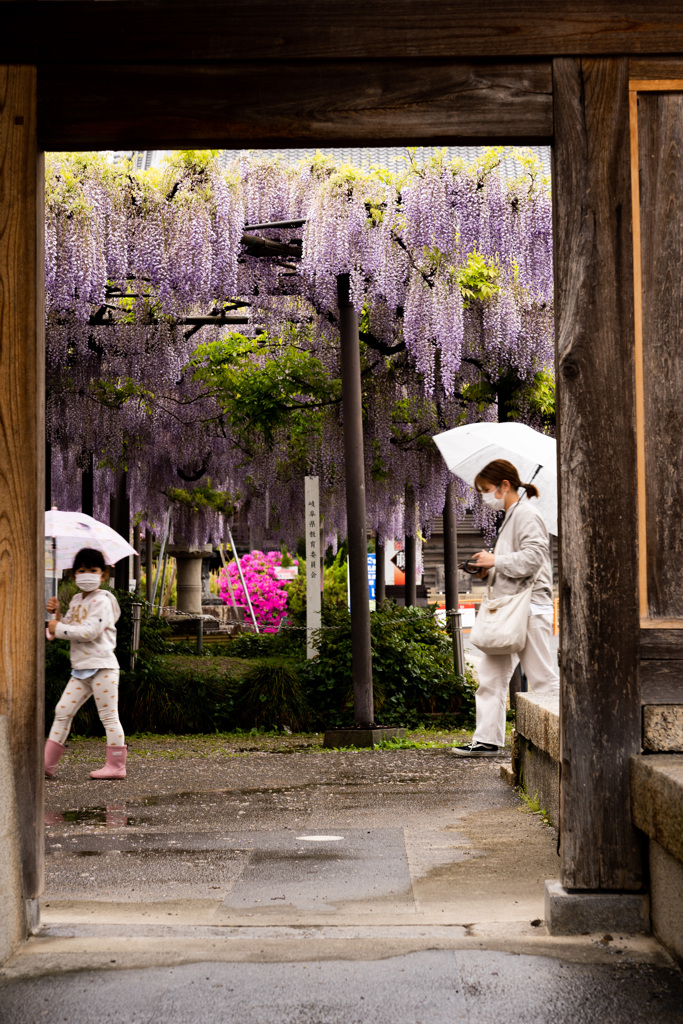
x: 476, y: 750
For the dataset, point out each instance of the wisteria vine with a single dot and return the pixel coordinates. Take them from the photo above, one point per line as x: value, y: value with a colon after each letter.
x: 157, y: 316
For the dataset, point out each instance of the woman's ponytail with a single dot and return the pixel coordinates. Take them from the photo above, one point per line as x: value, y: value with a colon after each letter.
x: 531, y: 490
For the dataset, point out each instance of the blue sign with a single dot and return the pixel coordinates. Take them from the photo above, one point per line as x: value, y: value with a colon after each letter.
x: 372, y: 577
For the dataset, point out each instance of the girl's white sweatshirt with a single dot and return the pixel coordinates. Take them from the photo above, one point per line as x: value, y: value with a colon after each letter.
x: 90, y: 625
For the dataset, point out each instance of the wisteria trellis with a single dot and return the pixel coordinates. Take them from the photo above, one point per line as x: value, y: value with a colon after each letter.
x: 131, y: 255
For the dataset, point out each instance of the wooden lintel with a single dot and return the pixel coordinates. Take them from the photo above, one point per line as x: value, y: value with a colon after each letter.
x: 63, y: 30
x: 294, y: 104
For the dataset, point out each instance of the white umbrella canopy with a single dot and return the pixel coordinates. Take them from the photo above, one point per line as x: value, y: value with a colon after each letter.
x: 467, y: 449
x: 75, y: 530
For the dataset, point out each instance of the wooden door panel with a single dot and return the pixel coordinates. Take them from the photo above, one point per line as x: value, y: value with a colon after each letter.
x: 660, y: 153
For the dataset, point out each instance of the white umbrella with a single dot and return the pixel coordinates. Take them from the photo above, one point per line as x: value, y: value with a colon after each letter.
x: 76, y: 530
x: 467, y: 449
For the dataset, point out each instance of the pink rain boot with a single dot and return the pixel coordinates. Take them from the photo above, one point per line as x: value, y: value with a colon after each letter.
x: 53, y: 752
x: 115, y: 768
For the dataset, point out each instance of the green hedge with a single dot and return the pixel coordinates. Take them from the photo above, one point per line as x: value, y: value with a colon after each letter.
x: 275, y: 685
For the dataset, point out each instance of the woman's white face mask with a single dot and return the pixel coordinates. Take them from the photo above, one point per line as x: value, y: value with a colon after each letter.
x: 489, y: 498
x: 88, y: 581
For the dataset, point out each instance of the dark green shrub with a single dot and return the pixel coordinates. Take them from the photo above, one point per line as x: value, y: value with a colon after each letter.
x: 270, y: 696
x: 413, y: 675
x: 290, y: 642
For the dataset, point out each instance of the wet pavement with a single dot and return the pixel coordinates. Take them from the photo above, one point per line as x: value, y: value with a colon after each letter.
x: 286, y: 883
x: 431, y: 987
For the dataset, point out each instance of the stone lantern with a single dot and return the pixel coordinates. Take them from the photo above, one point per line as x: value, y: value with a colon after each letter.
x: 189, y: 577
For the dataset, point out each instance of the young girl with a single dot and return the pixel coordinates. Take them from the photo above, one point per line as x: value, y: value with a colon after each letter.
x: 90, y: 625
x: 521, y: 554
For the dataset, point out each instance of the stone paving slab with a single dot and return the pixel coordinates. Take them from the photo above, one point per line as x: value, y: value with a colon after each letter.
x: 430, y: 987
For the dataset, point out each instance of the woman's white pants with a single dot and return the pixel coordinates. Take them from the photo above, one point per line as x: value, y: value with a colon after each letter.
x: 495, y: 672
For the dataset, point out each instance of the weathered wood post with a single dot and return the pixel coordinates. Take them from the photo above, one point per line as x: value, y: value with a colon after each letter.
x: 22, y: 456
x: 354, y: 470
x: 410, y: 541
x: 600, y: 707
x: 48, y: 476
x: 380, y: 579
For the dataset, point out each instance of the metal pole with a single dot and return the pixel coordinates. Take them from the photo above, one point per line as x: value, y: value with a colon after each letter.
x: 161, y: 555
x: 354, y: 468
x: 200, y: 635
x: 227, y: 576
x: 450, y: 557
x: 136, y: 615
x: 163, y: 580
x: 242, y: 581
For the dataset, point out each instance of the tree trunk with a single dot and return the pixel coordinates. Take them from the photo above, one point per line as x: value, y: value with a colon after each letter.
x: 354, y: 468
x: 137, y: 560
x: 88, y: 488
x: 450, y: 548
x: 149, y: 565
x: 122, y: 527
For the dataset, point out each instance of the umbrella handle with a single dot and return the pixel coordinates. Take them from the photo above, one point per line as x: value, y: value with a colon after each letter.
x: 535, y: 474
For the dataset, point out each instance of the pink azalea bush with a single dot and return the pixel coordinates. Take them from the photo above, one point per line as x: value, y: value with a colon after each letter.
x: 268, y: 594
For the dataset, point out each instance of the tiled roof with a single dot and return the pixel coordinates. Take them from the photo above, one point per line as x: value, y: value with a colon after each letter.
x: 394, y: 158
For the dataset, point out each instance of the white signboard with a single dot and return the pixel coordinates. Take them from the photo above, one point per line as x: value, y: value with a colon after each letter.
x: 312, y: 533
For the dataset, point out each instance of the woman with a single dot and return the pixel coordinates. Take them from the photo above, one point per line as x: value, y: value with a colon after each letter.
x: 521, y: 554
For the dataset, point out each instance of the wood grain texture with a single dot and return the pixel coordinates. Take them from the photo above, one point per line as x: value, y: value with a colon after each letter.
x: 22, y: 434
x: 600, y: 707
x: 644, y: 68
x: 661, y: 643
x: 293, y: 104
x: 660, y: 147
x: 661, y: 682
x: 63, y: 31
x: 638, y: 354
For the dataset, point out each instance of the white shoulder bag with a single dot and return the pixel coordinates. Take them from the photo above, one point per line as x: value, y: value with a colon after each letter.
x: 501, y: 623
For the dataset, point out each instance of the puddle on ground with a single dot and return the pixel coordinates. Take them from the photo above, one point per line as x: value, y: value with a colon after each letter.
x: 113, y: 816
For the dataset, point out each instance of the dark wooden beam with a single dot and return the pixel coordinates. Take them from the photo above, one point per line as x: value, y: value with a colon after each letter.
x: 600, y: 707
x: 661, y: 682
x: 658, y: 68
x: 293, y: 104
x: 63, y: 31
x: 22, y: 452
x: 662, y: 644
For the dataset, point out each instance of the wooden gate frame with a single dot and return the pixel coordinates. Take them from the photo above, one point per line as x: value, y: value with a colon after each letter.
x: 263, y: 73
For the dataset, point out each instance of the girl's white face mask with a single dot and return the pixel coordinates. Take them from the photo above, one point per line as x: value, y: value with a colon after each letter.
x: 489, y: 498
x: 88, y: 581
